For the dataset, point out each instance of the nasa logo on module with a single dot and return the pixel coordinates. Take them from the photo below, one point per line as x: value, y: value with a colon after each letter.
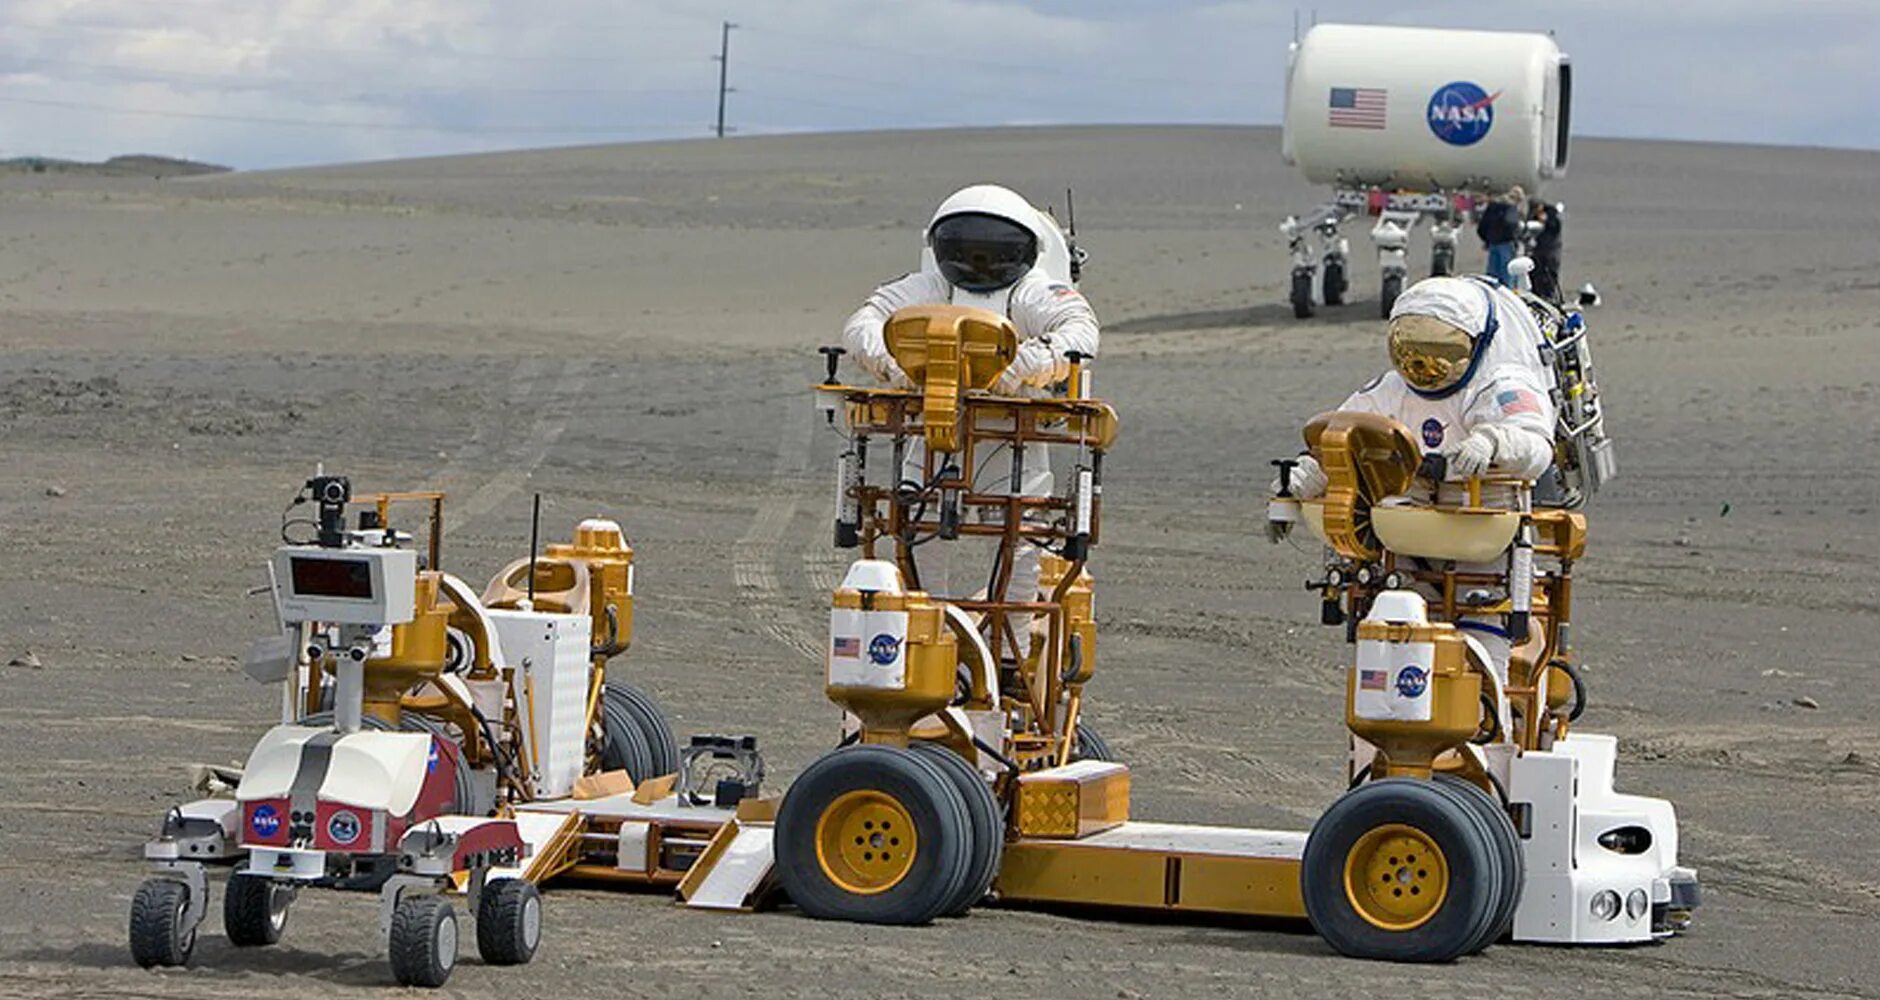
x: 1461, y: 113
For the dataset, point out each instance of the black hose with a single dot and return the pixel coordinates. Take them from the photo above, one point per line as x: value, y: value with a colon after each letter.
x: 1009, y: 764
x: 1579, y: 688
x: 1494, y: 723
x: 505, y: 765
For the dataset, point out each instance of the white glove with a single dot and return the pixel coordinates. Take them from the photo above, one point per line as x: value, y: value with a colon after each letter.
x: 894, y: 376
x: 887, y: 371
x: 1470, y: 456
x: 1033, y: 366
x: 1308, y: 480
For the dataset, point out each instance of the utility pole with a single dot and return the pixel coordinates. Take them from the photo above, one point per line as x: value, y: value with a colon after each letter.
x: 724, y: 68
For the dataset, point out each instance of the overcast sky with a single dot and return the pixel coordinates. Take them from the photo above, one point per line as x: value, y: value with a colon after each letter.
x: 256, y: 83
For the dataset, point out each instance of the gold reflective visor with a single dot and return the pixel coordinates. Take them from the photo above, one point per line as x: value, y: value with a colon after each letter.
x: 1429, y: 353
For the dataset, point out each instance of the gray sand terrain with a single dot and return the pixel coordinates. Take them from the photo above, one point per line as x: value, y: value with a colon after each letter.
x: 630, y: 330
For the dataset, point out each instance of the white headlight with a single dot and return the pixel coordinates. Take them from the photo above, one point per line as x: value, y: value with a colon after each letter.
x: 1636, y: 903
x: 1606, y: 904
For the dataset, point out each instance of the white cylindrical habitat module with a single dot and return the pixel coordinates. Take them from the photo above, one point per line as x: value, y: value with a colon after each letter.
x: 1427, y: 109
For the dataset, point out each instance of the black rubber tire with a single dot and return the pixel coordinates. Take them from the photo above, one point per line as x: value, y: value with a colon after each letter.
x: 1302, y: 294
x: 1088, y: 744
x: 1507, y: 845
x: 664, y: 749
x: 1334, y: 283
x: 624, y: 746
x: 423, y: 941
x: 938, y: 811
x: 158, y: 937
x: 509, y: 922
x: 1393, y: 287
x: 254, y: 910
x: 1442, y: 262
x: 1472, y: 894
x: 986, y: 819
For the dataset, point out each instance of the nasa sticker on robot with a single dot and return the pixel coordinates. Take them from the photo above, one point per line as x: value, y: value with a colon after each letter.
x: 343, y: 827
x: 1461, y: 113
x: 884, y: 649
x: 266, y: 821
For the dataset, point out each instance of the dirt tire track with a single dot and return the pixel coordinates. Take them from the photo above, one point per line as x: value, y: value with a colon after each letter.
x: 756, y: 561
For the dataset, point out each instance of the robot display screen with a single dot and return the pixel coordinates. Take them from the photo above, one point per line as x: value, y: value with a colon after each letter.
x: 343, y: 578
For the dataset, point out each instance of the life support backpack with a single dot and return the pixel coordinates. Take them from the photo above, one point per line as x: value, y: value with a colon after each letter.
x: 1583, y: 454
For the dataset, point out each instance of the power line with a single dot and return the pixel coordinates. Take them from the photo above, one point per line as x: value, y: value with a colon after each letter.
x: 1034, y: 68
x: 391, y: 49
x: 226, y: 82
x: 641, y: 127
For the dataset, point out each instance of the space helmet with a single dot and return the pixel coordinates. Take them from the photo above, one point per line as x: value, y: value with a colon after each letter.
x: 983, y: 238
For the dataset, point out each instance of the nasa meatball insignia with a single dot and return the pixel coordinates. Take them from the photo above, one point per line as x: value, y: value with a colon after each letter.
x: 1461, y: 113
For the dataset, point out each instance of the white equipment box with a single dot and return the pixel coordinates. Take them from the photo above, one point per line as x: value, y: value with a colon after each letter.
x: 551, y: 655
x: 346, y: 586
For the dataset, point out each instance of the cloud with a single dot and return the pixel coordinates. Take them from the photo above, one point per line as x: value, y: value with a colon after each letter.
x: 258, y: 83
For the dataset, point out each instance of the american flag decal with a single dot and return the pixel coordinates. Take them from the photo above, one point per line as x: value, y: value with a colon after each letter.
x: 1518, y: 401
x: 1357, y: 107
x: 1373, y: 680
x: 847, y: 646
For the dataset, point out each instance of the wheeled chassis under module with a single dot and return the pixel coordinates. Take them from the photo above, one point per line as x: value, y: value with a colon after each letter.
x: 1321, y: 255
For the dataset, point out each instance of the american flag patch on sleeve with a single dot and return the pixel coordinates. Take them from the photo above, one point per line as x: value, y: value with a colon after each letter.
x: 1373, y: 680
x: 1515, y: 401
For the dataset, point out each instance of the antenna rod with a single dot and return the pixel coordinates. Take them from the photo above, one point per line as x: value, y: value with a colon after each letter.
x: 535, y: 537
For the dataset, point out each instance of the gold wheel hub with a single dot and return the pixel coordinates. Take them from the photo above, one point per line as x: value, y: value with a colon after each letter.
x: 1396, y: 877
x: 865, y: 842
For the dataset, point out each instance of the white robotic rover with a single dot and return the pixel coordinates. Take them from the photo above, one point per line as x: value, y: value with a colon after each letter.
x: 1413, y: 123
x: 431, y: 743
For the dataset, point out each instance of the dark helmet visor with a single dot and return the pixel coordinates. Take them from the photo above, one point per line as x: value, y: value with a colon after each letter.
x: 982, y: 253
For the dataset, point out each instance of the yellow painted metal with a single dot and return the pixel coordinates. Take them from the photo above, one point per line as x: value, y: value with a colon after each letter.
x: 866, y: 842
x: 1409, y: 746
x: 1366, y: 457
x: 1072, y: 802
x: 418, y: 651
x: 1081, y: 873
x: 1262, y: 886
x: 949, y: 351
x: 592, y: 575
x: 1396, y: 877
x: 931, y: 656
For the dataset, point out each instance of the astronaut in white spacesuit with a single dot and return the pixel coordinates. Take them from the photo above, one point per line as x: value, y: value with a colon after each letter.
x: 1467, y: 378
x: 988, y: 247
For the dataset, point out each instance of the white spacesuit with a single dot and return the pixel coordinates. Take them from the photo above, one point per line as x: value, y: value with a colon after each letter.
x: 1468, y: 379
x: 989, y: 248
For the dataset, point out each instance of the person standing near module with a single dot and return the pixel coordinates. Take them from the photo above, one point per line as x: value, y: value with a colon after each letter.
x: 1499, y: 228
x: 1546, y: 250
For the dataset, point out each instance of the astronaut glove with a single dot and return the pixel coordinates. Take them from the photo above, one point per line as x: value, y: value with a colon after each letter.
x: 888, y: 371
x: 1308, y: 480
x: 1470, y: 456
x: 1034, y: 365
